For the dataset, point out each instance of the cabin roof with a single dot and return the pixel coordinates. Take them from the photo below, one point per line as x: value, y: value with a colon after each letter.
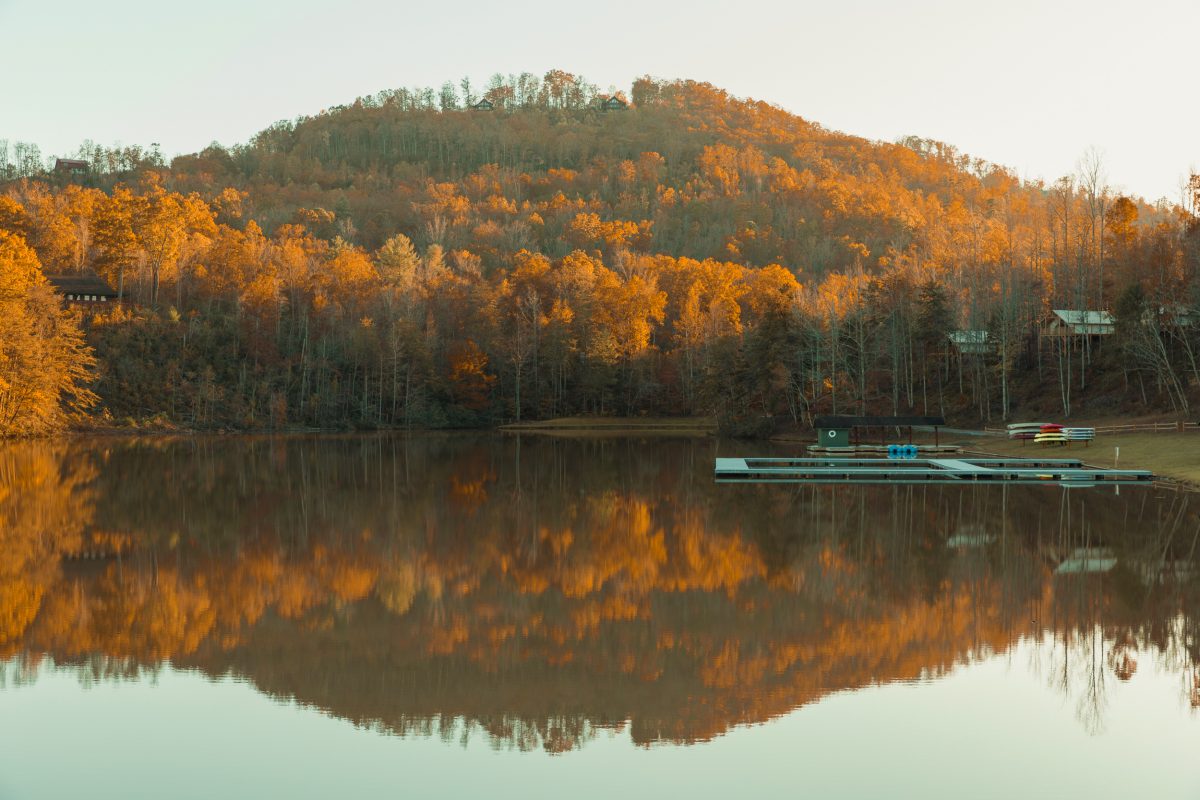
x: 70, y: 163
x: 1179, y: 310
x: 1076, y: 317
x: 81, y: 284
x: 968, y: 337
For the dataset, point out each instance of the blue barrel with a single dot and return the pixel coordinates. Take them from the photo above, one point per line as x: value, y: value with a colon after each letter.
x: 893, y: 451
x: 910, y: 451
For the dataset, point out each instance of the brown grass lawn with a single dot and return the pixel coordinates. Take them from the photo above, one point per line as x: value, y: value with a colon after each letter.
x: 1173, y: 455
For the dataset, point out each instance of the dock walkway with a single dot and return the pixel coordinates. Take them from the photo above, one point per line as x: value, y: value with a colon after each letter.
x: 920, y: 470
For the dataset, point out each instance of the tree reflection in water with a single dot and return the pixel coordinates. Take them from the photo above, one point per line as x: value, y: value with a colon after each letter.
x: 543, y: 590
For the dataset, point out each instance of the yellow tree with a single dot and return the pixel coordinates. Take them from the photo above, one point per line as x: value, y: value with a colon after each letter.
x: 13, y: 217
x: 44, y: 363
x: 49, y: 231
x: 161, y: 222
x: 78, y: 205
x: 470, y: 383
x: 625, y: 316
x: 117, y: 246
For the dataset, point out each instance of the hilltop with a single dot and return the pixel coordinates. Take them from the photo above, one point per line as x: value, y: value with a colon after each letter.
x: 704, y: 174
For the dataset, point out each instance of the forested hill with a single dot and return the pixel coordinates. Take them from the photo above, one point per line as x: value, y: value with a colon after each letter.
x: 704, y: 175
x: 415, y: 259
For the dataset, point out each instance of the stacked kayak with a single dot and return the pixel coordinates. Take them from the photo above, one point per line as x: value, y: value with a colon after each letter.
x: 1025, y: 430
x: 1050, y: 433
x: 1079, y: 434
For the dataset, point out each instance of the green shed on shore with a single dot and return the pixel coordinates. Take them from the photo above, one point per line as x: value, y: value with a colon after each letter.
x: 834, y: 430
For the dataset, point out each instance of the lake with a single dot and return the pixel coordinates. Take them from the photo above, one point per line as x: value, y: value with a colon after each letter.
x: 537, y: 616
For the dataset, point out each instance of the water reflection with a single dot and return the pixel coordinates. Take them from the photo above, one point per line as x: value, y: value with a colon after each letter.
x: 542, y: 591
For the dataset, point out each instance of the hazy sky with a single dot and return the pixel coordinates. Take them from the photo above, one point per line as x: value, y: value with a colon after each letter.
x: 1031, y: 84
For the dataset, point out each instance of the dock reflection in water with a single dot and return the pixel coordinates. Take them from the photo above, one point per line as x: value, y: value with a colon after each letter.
x: 541, y: 592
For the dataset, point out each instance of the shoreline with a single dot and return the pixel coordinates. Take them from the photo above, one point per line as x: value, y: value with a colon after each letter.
x: 557, y: 425
x: 615, y: 426
x: 1173, y: 456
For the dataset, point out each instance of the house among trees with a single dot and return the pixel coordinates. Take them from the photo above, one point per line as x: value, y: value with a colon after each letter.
x: 612, y: 103
x: 1069, y: 323
x: 971, y: 342
x: 484, y: 105
x: 70, y: 166
x: 1178, y: 314
x: 85, y: 289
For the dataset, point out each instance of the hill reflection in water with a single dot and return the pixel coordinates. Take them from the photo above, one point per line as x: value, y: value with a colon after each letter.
x: 543, y: 590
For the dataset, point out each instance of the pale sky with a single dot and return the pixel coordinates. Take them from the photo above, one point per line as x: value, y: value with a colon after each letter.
x: 1031, y: 84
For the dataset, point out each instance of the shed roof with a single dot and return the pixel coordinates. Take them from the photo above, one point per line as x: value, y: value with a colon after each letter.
x: 81, y: 284
x: 837, y: 421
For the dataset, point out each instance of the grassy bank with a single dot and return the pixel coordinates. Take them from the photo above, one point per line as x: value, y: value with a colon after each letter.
x: 1172, y: 455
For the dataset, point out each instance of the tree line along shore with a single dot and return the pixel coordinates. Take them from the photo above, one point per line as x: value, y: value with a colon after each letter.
x: 415, y: 259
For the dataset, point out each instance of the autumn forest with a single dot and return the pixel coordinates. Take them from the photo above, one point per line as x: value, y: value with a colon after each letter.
x: 533, y: 248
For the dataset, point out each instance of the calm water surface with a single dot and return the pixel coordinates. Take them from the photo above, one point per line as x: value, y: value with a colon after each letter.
x: 464, y: 616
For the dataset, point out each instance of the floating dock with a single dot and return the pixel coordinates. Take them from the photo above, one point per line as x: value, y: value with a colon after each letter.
x: 921, y: 470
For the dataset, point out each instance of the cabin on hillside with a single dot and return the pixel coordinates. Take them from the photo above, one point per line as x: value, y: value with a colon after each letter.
x: 612, y: 103
x: 1176, y: 314
x: 971, y: 342
x: 1072, y: 323
x: 86, y: 289
x: 70, y: 166
x: 484, y: 105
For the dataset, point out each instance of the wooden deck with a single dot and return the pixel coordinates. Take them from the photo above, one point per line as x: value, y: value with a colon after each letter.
x: 920, y: 470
